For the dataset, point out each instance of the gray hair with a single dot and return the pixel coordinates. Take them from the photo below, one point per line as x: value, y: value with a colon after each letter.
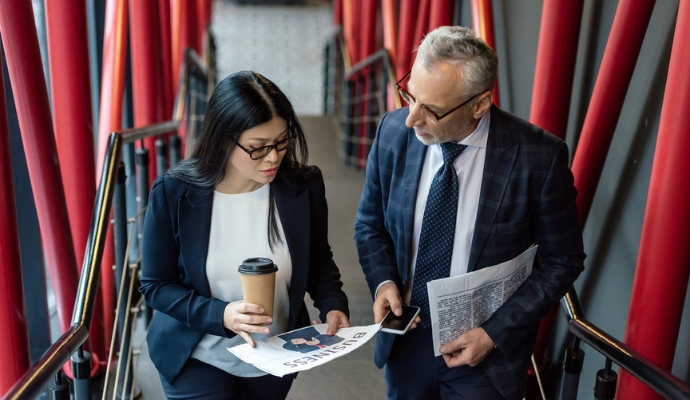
x: 461, y: 47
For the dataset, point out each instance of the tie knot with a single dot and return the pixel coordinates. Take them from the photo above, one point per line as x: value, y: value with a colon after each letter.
x: 451, y: 151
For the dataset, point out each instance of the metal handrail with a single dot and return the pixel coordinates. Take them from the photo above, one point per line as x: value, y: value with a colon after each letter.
x: 658, y: 379
x: 381, y: 55
x: 45, y: 369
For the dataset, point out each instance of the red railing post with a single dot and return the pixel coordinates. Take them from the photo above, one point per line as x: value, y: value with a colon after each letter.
x: 617, y: 66
x: 145, y: 53
x: 421, y: 26
x: 33, y: 111
x: 183, y: 19
x: 368, y: 43
x: 441, y: 14
x: 553, y: 74
x: 72, y: 118
x: 483, y: 25
x: 390, y: 39
x: 110, y: 120
x: 406, y: 43
x: 553, y: 82
x: 663, y: 263
x: 14, y: 335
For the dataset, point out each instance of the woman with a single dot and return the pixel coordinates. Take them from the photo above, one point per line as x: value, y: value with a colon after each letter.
x: 245, y: 192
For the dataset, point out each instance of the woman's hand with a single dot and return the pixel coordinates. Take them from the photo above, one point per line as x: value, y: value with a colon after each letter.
x: 243, y: 318
x: 335, y: 320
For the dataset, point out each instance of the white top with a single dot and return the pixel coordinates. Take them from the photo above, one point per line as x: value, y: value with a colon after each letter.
x: 239, y: 225
x: 470, y: 168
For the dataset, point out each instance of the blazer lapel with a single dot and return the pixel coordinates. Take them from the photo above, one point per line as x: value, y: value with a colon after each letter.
x: 293, y: 208
x: 414, y: 161
x: 500, y: 160
x: 194, y: 217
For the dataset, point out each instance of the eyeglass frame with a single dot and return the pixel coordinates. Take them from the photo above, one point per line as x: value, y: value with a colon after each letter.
x: 271, y: 147
x: 404, y: 94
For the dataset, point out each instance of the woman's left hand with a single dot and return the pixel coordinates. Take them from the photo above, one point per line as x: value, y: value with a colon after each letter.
x: 335, y: 320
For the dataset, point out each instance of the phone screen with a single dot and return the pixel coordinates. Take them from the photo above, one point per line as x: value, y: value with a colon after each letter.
x: 394, y: 324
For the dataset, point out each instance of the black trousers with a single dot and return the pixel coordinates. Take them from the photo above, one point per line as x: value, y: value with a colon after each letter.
x: 201, y: 381
x: 412, y: 372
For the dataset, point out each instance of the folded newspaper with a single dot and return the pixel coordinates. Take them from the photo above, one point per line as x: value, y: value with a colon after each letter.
x: 303, y: 348
x: 460, y: 303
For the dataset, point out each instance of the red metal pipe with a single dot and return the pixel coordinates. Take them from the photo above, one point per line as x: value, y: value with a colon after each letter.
x: 368, y: 44
x: 33, y: 111
x: 14, y: 335
x: 351, y: 29
x: 553, y: 81
x: 166, y: 58
x: 113, y: 76
x: 390, y: 36
x: 556, y: 54
x: 483, y: 24
x: 422, y: 24
x: 144, y: 73
x: 406, y: 43
x: 617, y: 66
x: 338, y: 12
x: 110, y: 120
x: 182, y: 23
x: 72, y: 118
x: 663, y: 263
x: 441, y: 14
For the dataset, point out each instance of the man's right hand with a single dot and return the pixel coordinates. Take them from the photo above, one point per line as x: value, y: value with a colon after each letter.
x: 387, y: 298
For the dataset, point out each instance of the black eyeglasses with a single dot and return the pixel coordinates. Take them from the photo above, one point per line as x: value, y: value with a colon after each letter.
x: 429, y: 113
x: 263, y: 151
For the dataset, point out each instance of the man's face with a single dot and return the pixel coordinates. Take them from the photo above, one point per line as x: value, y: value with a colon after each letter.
x: 439, y: 89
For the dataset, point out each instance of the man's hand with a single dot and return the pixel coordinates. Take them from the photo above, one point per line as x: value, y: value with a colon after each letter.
x: 387, y: 298
x: 470, y: 348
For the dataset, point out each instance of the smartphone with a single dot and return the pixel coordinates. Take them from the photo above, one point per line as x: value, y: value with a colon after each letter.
x: 399, y: 325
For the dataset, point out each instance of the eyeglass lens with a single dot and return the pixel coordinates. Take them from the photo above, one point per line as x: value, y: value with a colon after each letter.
x: 262, y: 152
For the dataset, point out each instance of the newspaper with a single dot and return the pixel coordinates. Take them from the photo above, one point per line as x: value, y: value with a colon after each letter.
x: 303, y: 348
x: 460, y: 303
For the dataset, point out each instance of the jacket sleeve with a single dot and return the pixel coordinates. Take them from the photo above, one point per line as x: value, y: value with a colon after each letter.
x: 162, y: 274
x: 375, y: 245
x: 323, y: 284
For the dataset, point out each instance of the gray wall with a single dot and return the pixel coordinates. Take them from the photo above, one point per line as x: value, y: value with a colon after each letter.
x: 612, y: 233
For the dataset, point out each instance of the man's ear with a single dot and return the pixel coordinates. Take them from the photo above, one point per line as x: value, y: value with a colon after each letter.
x: 483, y: 104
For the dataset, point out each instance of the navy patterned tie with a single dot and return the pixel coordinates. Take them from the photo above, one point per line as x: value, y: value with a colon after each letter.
x: 438, y: 230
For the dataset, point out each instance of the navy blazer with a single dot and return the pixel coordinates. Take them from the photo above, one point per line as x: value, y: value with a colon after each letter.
x: 175, y: 245
x: 527, y: 196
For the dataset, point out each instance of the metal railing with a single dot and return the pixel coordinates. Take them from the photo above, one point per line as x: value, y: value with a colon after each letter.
x: 358, y: 95
x: 615, y: 351
x: 47, y: 371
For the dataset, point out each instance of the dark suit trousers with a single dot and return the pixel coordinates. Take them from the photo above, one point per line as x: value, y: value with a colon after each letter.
x: 202, y: 381
x: 412, y: 372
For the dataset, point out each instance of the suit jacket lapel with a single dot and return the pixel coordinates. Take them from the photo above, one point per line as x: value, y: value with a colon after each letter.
x: 293, y: 208
x: 194, y: 216
x: 500, y: 159
x: 414, y: 161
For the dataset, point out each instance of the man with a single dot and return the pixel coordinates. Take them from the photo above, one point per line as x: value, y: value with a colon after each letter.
x: 512, y: 188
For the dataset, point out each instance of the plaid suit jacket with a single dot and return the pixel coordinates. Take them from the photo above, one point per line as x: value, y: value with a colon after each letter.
x: 527, y: 196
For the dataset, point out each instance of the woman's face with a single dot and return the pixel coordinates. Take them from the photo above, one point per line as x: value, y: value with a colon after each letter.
x: 244, y: 174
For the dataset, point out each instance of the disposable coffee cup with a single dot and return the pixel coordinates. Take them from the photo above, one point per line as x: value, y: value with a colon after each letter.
x: 258, y: 277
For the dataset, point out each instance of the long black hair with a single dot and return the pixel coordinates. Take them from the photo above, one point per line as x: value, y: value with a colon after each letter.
x: 241, y: 101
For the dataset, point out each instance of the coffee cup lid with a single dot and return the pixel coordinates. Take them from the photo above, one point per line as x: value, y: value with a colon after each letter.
x: 257, y: 266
